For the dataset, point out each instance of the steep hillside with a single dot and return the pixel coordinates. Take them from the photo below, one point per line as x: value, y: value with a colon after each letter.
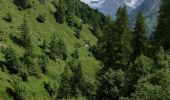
x: 10, y: 31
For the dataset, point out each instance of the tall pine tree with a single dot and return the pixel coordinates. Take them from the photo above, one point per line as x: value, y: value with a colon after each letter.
x: 124, y: 33
x: 28, y: 57
x: 65, y: 87
x: 139, y: 38
x: 114, y: 44
x: 162, y: 33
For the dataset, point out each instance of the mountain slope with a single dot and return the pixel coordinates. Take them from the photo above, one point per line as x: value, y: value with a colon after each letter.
x: 40, y: 32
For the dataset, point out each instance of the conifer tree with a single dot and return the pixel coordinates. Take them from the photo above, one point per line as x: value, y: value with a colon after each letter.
x: 153, y: 87
x: 28, y: 56
x: 60, y: 13
x: 140, y: 38
x: 123, y: 39
x: 115, y: 43
x: 25, y: 34
x: 76, y: 53
x: 65, y: 86
x: 63, y: 49
x: 43, y: 63
x: 106, y: 45
x: 22, y: 4
x: 76, y: 79
x: 53, y: 47
x: 161, y: 35
x: 162, y: 59
x: 74, y: 6
x: 12, y: 61
x: 111, y: 85
x: 141, y: 67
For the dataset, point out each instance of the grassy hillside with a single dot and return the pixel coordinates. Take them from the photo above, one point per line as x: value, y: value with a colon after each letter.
x: 40, y: 32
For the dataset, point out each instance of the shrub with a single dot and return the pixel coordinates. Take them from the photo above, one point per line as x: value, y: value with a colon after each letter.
x: 43, y: 63
x: 49, y: 88
x: 24, y: 74
x: 41, y: 18
x: 53, y: 50
x: 70, y: 19
x: 60, y: 14
x: 77, y: 34
x: 12, y: 61
x: 63, y: 49
x: 22, y: 4
x: 8, y: 17
x: 18, y: 90
x: 75, y: 55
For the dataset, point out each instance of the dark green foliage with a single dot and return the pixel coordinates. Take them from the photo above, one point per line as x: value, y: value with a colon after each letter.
x: 161, y: 35
x: 25, y: 35
x: 53, y: 47
x: 65, y: 86
x: 12, y: 61
x: 73, y: 6
x: 153, y: 87
x: 75, y: 55
x: 60, y: 13
x: 162, y: 59
x: 24, y: 75
x: 73, y: 82
x: 78, y: 25
x: 76, y: 79
x: 57, y: 48
x: 29, y: 61
x: 18, y: 90
x: 140, y: 68
x: 42, y: 1
x: 123, y: 39
x: 111, y: 85
x: 41, y: 18
x: 8, y: 17
x: 49, y: 89
x: 77, y: 34
x: 88, y: 15
x: 88, y: 89
x: 62, y: 49
x: 114, y: 44
x: 22, y: 4
x: 95, y: 26
x: 43, y: 63
x: 44, y: 47
x: 70, y: 19
x: 106, y: 45
x: 28, y: 57
x: 140, y: 38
